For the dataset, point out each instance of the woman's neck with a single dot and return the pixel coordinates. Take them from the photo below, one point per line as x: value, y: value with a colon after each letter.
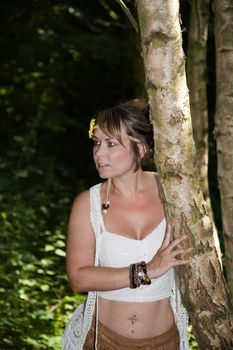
x: 130, y: 184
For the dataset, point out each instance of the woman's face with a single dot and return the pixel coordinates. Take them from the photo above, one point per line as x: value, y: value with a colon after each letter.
x: 112, y: 159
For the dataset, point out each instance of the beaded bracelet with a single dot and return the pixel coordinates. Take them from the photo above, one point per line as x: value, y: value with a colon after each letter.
x: 138, y: 275
x: 131, y: 276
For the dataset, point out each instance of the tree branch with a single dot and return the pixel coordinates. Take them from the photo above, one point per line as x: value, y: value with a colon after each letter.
x: 128, y: 14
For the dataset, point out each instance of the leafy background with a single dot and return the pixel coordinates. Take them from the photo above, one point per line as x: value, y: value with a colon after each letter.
x: 59, y: 63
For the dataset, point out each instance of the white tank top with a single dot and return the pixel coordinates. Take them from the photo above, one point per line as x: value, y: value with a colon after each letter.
x: 118, y: 251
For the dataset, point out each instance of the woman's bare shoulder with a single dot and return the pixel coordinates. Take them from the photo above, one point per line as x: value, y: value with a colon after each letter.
x: 82, y: 198
x: 80, y: 206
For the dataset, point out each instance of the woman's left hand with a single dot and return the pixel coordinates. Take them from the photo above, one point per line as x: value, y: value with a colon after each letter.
x: 166, y: 256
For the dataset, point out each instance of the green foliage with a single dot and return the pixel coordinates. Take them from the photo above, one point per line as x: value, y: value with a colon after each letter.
x: 192, y: 341
x: 59, y: 61
x: 35, y: 299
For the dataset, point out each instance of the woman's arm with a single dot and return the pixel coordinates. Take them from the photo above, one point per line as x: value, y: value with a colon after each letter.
x: 82, y: 273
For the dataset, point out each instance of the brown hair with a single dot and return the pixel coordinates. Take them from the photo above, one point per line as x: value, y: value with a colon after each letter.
x: 134, y: 116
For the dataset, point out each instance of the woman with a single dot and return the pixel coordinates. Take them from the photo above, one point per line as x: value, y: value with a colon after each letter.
x: 134, y: 277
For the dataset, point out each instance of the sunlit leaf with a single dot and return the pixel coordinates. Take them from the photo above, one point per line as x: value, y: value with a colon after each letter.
x: 60, y: 244
x: 4, y: 215
x: 60, y: 252
x: 44, y: 287
x: 21, y: 173
x: 49, y: 248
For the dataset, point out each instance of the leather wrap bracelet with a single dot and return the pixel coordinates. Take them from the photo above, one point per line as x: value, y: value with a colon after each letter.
x: 138, y: 275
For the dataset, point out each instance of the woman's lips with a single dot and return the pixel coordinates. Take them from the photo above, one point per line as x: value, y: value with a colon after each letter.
x: 102, y: 165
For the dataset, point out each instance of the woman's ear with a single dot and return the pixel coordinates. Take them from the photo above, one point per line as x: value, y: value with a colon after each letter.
x: 142, y: 149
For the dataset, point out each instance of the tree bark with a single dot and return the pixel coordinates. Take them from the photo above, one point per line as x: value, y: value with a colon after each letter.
x: 202, y: 283
x: 138, y: 68
x: 197, y: 83
x: 224, y: 124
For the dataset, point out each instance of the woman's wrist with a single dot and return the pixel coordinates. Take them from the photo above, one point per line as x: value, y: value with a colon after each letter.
x: 151, y: 270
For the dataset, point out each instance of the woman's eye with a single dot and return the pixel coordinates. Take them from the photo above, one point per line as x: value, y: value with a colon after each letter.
x: 96, y: 143
x: 111, y: 144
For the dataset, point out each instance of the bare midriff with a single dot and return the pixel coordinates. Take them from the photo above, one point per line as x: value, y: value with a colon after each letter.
x: 136, y: 320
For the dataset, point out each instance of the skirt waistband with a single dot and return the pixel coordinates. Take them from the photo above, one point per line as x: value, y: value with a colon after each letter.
x: 170, y: 336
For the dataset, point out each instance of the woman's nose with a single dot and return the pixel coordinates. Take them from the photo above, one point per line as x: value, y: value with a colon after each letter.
x: 99, y: 150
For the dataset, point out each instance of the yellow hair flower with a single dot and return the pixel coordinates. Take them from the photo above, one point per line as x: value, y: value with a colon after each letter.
x: 91, y: 128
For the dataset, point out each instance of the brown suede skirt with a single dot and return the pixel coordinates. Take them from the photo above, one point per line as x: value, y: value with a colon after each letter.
x: 109, y: 340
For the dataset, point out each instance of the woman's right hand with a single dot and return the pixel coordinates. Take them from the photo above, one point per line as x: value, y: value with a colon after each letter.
x: 166, y: 256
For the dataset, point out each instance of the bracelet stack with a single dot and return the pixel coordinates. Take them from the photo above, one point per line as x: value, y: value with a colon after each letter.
x: 138, y: 275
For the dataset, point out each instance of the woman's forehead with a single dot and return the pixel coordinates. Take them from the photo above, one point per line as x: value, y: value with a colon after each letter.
x: 98, y: 131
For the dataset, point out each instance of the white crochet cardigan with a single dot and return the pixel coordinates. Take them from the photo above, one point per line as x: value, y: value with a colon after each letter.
x: 80, y: 323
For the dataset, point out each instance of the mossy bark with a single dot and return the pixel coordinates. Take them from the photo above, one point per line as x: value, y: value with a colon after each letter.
x: 197, y: 84
x: 224, y: 124
x: 202, y: 284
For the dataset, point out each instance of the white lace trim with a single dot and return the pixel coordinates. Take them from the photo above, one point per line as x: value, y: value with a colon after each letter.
x: 80, y: 323
x: 181, y: 316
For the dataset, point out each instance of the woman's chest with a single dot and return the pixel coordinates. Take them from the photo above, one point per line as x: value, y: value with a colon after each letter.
x: 133, y: 216
x: 120, y: 251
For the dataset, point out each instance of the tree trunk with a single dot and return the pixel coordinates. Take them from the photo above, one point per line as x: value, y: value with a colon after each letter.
x: 138, y: 68
x: 202, y: 284
x: 197, y: 83
x: 224, y: 124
